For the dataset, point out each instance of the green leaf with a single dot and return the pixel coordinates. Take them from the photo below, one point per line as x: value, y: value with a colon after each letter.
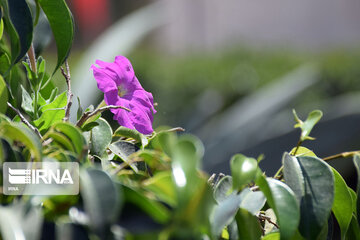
x: 1, y: 26
x: 59, y: 102
x: 156, y: 210
x: 243, y: 170
x: 62, y: 26
x: 21, y: 133
x: 308, y: 125
x: 226, y: 210
x: 49, y: 118
x: 282, y: 200
x: 123, y: 150
x: 272, y: 236
x: 248, y: 225
x: 51, y: 113
x: 356, y: 160
x: 27, y: 102
x: 73, y: 133
x: 101, y: 198
x: 62, y: 140
x: 162, y: 186
x: 3, y: 95
x: 302, y: 151
x: 353, y: 198
x: 353, y: 232
x: 131, y: 133
x: 342, y: 206
x: 19, y: 25
x: 313, y: 183
x: 101, y: 136
x: 223, y: 189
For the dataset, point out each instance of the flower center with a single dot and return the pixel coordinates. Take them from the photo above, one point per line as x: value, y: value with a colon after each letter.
x: 121, y: 91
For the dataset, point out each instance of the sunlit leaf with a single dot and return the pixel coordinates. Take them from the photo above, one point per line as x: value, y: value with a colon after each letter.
x: 223, y: 189
x: 357, y: 166
x: 342, y: 206
x: 62, y: 26
x: 282, y: 200
x: 243, y: 170
x: 101, y: 136
x: 162, y: 186
x: 308, y: 125
x: 3, y: 95
x: 313, y: 183
x: 73, y: 133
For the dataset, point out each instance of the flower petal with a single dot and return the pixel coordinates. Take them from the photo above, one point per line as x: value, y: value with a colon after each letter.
x: 104, y: 81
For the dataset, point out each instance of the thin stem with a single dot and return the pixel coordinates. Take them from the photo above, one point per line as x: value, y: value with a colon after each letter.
x: 278, y: 174
x: 341, y: 155
x: 297, y: 147
x: 67, y: 77
x: 26, y: 122
x: 87, y: 115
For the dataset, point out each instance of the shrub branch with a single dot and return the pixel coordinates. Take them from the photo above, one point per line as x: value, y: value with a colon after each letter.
x: 67, y: 77
x: 87, y: 115
x: 26, y: 122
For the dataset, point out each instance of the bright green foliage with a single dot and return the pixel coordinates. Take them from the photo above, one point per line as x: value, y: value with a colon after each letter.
x: 308, y: 125
x: 282, y: 200
x: 357, y: 166
x: 243, y: 170
x: 342, y: 206
x: 3, y: 95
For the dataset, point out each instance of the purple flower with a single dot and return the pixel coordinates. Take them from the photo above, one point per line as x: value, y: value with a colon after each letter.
x: 121, y: 88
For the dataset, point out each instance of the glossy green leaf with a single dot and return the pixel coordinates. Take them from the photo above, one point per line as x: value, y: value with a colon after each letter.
x: 101, y: 198
x: 156, y: 210
x: 3, y: 95
x: 123, y: 150
x: 243, y: 170
x: 272, y: 236
x: 342, y: 206
x: 62, y: 26
x: 21, y: 133
x: 101, y: 136
x: 19, y: 25
x: 162, y: 186
x: 131, y: 133
x: 308, y: 125
x: 357, y: 166
x: 248, y: 225
x: 4, y: 63
x: 313, y: 183
x: 302, y: 151
x: 185, y: 161
x: 1, y: 26
x: 73, y: 133
x: 283, y: 201
x: 223, y: 189
x: 226, y: 210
